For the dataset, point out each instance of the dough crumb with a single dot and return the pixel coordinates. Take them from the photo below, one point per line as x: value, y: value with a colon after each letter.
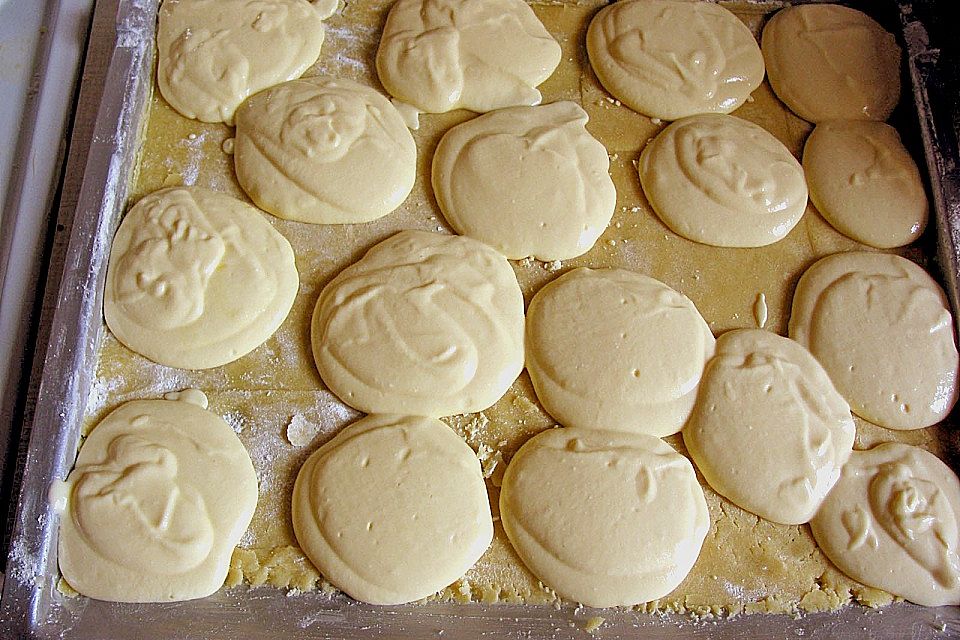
x: 552, y: 266
x: 300, y: 431
x: 593, y: 624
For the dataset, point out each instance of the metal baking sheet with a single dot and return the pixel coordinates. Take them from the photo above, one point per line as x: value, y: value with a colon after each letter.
x: 31, y: 606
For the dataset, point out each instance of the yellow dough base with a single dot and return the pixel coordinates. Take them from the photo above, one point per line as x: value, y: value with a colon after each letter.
x: 747, y: 565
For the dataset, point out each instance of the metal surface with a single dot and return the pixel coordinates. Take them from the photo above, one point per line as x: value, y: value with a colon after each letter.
x: 31, y: 606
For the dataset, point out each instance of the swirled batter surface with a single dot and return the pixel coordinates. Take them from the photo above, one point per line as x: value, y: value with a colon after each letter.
x: 161, y: 492
x: 392, y: 509
x: 177, y: 262
x: 723, y: 181
x: 529, y: 181
x: 769, y: 431
x: 424, y: 324
x: 671, y: 59
x: 893, y: 522
x: 215, y: 53
x: 613, y: 349
x: 324, y: 150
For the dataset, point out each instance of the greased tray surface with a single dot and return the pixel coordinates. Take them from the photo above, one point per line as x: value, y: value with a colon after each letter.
x: 141, y: 145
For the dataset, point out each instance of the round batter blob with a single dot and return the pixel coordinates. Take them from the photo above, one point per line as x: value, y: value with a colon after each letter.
x: 723, y: 181
x: 324, y: 150
x: 393, y: 509
x: 212, y: 54
x: 529, y: 181
x: 881, y: 328
x: 891, y: 522
x: 605, y: 518
x: 613, y: 349
x: 769, y: 431
x: 829, y: 62
x: 472, y: 54
x: 670, y: 58
x: 864, y: 182
x: 177, y: 263
x: 424, y: 324
x: 161, y: 493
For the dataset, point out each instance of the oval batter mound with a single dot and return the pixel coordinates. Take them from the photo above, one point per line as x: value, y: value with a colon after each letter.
x: 528, y: 181
x: 212, y: 54
x: 829, y: 62
x: 393, y: 509
x: 324, y: 150
x: 865, y: 183
x: 891, y: 522
x: 604, y: 518
x: 465, y: 54
x: 880, y: 326
x: 178, y: 260
x: 671, y: 59
x: 613, y: 349
x: 723, y: 181
x: 161, y: 493
x: 424, y: 324
x: 769, y: 430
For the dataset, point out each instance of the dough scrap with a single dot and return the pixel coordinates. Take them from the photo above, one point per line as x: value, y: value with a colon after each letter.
x: 393, y: 509
x: 881, y: 327
x: 424, y: 324
x: 212, y: 54
x: 865, y: 183
x: 671, y: 59
x: 178, y: 260
x: 161, y: 493
x: 723, y: 181
x: 769, y: 430
x: 892, y: 522
x: 324, y: 150
x: 605, y: 518
x: 830, y: 62
x: 471, y: 54
x: 613, y: 349
x: 529, y: 181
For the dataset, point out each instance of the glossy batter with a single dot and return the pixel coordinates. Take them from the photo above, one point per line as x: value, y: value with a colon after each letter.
x: 604, y: 518
x: 865, y: 183
x: 324, y: 150
x: 528, y: 181
x: 880, y: 326
x: 161, y: 492
x: 178, y: 260
x: 613, y: 349
x: 424, y: 324
x: 392, y: 509
x: 892, y: 522
x: 769, y: 431
x: 723, y: 181
x: 671, y: 59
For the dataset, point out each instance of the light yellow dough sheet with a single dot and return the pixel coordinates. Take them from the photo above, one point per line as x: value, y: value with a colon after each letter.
x: 275, y: 400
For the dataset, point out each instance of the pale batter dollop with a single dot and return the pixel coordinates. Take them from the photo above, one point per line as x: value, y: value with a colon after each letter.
x: 671, y: 58
x: 440, y: 55
x: 212, y: 54
x: 769, y: 430
x: 392, y: 509
x: 178, y: 261
x: 324, y: 150
x: 865, y: 183
x: 830, y: 62
x: 161, y: 493
x: 613, y: 349
x: 604, y: 518
x: 723, y: 181
x: 892, y: 522
x: 529, y: 181
x: 881, y: 327
x: 424, y: 324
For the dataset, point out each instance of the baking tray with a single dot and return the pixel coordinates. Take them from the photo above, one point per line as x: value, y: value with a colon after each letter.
x: 31, y: 605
